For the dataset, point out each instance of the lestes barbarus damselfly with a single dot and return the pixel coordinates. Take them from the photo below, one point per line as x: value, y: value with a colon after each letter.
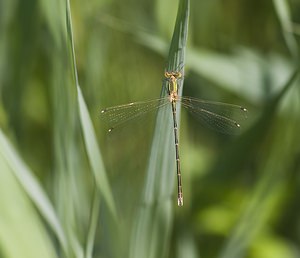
x: 221, y: 116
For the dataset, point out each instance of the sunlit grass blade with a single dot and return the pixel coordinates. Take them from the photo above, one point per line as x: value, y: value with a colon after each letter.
x: 95, y: 155
x: 69, y: 191
x: 92, y: 148
x: 32, y: 188
x: 284, y: 15
x: 152, y: 225
x: 89, y: 134
x: 18, y: 218
x: 94, y: 217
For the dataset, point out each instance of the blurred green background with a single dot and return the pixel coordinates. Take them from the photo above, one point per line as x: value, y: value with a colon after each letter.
x: 241, y: 192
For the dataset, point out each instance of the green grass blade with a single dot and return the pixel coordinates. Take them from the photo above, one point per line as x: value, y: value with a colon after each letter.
x: 93, y: 225
x: 284, y: 15
x: 90, y: 139
x: 176, y: 57
x: 32, y: 187
x: 69, y: 184
x: 94, y: 154
x: 21, y: 229
x: 152, y: 226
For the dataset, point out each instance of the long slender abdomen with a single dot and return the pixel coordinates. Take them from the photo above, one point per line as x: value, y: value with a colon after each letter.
x: 179, y: 183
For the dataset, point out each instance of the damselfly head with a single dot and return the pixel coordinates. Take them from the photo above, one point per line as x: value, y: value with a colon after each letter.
x: 174, y: 75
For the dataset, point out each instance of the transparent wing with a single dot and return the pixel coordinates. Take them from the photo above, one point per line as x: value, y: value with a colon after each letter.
x: 118, y: 115
x: 222, y: 117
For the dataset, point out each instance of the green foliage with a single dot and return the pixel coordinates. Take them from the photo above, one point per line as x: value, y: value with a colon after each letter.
x: 70, y: 189
x: 152, y: 225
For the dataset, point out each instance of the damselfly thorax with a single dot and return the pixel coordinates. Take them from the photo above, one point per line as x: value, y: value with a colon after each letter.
x: 172, y: 78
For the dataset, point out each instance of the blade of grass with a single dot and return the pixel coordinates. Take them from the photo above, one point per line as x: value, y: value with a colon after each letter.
x: 70, y: 180
x: 152, y: 225
x: 93, y: 151
x: 284, y: 15
x: 90, y: 139
x: 32, y: 188
x: 69, y: 185
x: 94, y: 154
x: 93, y: 224
x: 18, y: 218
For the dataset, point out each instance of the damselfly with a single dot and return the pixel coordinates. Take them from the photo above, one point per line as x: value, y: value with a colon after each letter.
x: 220, y: 116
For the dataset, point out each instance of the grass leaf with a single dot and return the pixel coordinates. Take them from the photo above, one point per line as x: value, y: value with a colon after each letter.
x: 94, y: 154
x: 92, y: 148
x: 32, y: 188
x: 152, y: 226
x: 284, y: 16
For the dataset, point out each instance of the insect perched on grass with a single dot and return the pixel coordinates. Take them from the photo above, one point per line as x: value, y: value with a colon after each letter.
x: 220, y: 116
